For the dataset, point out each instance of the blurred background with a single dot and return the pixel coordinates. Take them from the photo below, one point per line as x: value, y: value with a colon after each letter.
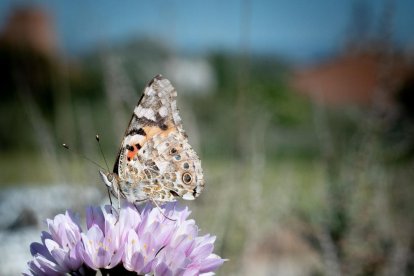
x: 302, y: 113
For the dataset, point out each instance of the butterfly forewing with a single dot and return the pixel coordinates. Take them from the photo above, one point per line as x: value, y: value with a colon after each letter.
x: 155, y: 160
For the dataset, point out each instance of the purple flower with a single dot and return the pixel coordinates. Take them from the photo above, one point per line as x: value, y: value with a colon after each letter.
x: 150, y: 241
x: 102, y: 247
x: 58, y: 252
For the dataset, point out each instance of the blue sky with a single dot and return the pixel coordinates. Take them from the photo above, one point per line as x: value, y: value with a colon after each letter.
x: 296, y: 29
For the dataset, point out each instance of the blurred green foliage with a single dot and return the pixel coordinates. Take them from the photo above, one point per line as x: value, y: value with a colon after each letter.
x: 271, y: 156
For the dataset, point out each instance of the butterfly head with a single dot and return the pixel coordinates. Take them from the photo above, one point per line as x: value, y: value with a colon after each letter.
x: 110, y: 179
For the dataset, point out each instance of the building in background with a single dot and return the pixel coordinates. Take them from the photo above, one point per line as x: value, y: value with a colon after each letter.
x: 30, y: 28
x: 360, y: 77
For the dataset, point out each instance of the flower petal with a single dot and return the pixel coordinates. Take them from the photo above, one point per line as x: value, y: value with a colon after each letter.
x: 46, y: 266
x: 94, y: 216
x: 202, y: 252
x: 137, y: 262
x: 211, y: 263
x: 38, y: 248
x: 162, y: 270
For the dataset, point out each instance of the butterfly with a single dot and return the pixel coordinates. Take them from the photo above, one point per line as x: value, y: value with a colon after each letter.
x: 155, y: 160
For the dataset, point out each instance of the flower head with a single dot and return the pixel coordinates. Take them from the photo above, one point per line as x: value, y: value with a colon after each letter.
x: 145, y: 242
x: 57, y: 253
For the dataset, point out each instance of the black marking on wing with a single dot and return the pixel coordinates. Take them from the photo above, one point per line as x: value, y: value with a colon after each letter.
x: 134, y: 117
x: 116, y: 165
x: 140, y: 99
x: 157, y: 77
x: 115, y: 169
x: 161, y: 122
x: 142, y: 132
x: 135, y: 131
x: 174, y: 193
x: 145, y: 121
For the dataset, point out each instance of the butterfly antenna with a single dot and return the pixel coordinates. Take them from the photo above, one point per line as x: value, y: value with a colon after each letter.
x: 107, y: 167
x: 100, y: 148
x: 81, y: 155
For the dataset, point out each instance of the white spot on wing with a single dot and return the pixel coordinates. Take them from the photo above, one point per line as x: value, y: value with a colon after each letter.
x: 163, y: 111
x: 176, y: 118
x: 144, y: 112
x: 149, y: 91
x: 174, y: 105
x: 134, y: 139
x: 188, y: 196
x: 149, y: 113
x: 137, y: 110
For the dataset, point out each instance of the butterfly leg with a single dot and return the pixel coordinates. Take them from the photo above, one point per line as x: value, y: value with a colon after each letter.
x: 159, y: 250
x: 165, y: 216
x: 119, y: 200
x: 119, y: 206
x: 110, y: 198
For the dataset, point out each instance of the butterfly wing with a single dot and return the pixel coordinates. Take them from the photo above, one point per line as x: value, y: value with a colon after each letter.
x: 155, y: 160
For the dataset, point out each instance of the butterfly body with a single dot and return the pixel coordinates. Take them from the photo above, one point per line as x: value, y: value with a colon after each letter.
x: 155, y: 161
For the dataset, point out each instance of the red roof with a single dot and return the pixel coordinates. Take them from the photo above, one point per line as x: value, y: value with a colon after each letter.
x: 353, y: 78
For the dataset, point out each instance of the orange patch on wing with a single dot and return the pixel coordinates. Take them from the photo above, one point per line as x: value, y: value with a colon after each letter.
x: 131, y: 153
x: 151, y: 131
